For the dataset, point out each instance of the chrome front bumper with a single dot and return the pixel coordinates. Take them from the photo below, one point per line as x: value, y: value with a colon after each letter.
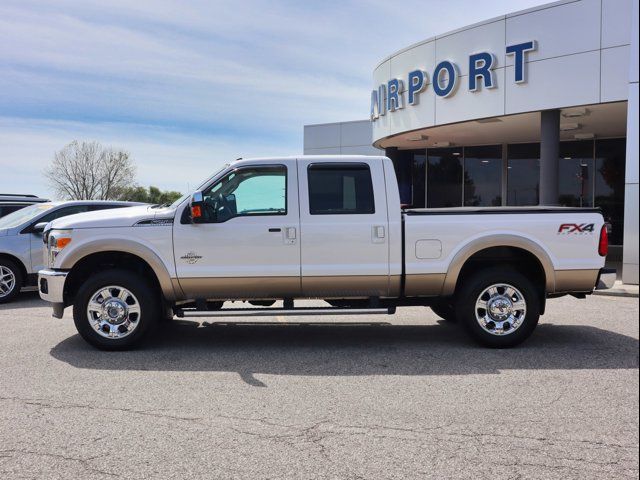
x: 606, y: 279
x: 51, y: 289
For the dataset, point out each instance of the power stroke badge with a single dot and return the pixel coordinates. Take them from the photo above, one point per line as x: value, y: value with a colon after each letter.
x: 190, y: 258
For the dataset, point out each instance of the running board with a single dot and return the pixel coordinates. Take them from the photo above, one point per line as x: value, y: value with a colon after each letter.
x: 269, y: 312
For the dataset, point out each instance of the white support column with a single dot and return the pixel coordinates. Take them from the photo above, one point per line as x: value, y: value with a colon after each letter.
x: 630, y: 253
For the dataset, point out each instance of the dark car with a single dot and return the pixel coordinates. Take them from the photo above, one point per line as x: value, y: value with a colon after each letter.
x: 10, y: 202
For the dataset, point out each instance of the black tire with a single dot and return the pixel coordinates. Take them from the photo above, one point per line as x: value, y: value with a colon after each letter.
x: 18, y: 280
x: 446, y: 311
x: 148, y: 299
x: 471, y: 289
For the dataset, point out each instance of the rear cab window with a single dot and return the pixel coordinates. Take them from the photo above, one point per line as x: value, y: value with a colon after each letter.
x: 340, y: 188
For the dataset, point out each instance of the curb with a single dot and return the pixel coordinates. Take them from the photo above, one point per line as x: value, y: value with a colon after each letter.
x: 619, y: 290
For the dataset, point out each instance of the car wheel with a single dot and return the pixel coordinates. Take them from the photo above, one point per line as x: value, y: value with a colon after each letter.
x: 115, y: 309
x: 10, y: 280
x: 446, y: 311
x: 499, y: 307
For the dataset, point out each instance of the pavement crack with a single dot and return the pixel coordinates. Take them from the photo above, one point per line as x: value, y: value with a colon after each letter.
x: 84, y: 462
x: 101, y: 408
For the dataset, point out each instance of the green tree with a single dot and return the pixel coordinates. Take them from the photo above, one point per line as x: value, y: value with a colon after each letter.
x: 149, y: 195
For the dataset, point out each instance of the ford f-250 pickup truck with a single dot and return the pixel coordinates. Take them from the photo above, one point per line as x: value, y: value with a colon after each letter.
x: 317, y: 227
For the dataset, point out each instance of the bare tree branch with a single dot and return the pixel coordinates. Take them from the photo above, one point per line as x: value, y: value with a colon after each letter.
x: 88, y: 171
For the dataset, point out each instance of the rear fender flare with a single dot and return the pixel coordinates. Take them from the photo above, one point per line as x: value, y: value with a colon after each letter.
x: 501, y: 240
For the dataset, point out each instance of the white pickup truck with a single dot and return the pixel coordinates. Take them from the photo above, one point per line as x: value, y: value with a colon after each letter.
x: 317, y: 227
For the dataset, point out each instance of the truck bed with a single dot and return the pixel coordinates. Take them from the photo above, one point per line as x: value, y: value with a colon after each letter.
x: 563, y: 240
x: 497, y: 210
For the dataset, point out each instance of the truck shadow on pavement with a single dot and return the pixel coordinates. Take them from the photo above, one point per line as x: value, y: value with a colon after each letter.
x: 348, y: 350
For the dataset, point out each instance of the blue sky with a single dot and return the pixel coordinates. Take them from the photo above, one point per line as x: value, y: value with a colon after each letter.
x: 185, y: 86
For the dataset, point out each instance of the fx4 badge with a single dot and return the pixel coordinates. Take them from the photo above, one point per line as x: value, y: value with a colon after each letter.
x: 190, y: 258
x: 575, y: 228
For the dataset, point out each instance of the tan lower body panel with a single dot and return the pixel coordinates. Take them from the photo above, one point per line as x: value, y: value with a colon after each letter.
x: 576, y: 280
x: 346, y: 286
x: 351, y: 286
x: 240, y: 288
x: 424, y: 285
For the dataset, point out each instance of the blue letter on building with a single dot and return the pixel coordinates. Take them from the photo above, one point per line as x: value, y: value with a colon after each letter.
x: 378, y: 102
x: 452, y: 78
x: 519, y: 50
x: 394, y: 94
x: 417, y: 83
x: 480, y: 65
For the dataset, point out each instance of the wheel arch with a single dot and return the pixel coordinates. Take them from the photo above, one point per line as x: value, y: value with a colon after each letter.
x: 483, y: 248
x: 122, y: 253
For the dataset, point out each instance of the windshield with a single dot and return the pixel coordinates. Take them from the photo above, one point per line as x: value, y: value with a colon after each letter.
x: 202, y: 185
x: 24, y: 215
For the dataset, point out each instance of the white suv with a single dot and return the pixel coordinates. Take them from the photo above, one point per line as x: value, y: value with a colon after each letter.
x: 21, y: 240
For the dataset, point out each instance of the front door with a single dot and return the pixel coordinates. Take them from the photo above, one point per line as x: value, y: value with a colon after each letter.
x: 248, y: 244
x: 343, y: 213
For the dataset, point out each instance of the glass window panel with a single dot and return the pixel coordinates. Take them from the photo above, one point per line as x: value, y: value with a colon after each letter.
x: 483, y: 176
x: 575, y: 174
x: 444, y: 177
x: 340, y: 189
x: 403, y: 173
x: 410, y: 180
x: 63, y: 212
x: 523, y: 174
x: 419, y: 178
x: 609, y: 184
x: 245, y: 192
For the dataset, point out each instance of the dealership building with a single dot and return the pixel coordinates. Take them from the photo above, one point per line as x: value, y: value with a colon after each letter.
x: 537, y: 107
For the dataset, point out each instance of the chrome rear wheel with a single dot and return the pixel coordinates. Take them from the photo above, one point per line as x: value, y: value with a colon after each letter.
x: 501, y: 309
x: 499, y: 306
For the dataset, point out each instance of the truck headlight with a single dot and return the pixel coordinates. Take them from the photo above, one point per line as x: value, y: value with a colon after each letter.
x: 56, y: 242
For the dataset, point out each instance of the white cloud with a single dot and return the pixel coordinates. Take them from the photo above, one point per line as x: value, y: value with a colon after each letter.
x: 193, y: 81
x: 165, y: 158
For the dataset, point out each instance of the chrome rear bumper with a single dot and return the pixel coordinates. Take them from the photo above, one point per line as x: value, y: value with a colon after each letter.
x: 606, y: 279
x: 51, y: 289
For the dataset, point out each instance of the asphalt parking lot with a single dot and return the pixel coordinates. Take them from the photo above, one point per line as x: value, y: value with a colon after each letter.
x: 412, y: 399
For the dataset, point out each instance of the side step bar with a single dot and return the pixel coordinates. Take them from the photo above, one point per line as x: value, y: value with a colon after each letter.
x: 268, y: 312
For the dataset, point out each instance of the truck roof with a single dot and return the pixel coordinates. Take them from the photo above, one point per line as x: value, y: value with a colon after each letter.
x: 333, y: 158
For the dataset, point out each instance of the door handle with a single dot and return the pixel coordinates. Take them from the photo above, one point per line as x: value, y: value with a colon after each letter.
x: 275, y: 230
x: 290, y: 235
x: 378, y: 234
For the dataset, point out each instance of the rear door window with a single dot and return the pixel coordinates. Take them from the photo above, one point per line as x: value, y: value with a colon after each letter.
x: 338, y: 189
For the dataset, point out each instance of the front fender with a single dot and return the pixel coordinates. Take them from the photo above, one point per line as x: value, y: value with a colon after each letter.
x: 77, y: 253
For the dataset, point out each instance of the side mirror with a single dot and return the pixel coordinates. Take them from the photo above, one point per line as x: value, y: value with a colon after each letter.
x: 196, y: 205
x: 38, y: 228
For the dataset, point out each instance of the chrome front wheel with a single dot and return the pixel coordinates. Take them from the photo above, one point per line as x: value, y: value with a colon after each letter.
x: 500, y: 309
x: 116, y: 308
x: 113, y: 312
x: 7, y: 281
x: 11, y: 280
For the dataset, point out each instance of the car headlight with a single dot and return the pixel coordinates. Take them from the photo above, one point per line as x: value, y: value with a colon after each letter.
x: 57, y: 240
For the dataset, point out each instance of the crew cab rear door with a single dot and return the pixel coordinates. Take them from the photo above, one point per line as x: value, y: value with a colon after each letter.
x: 344, y: 228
